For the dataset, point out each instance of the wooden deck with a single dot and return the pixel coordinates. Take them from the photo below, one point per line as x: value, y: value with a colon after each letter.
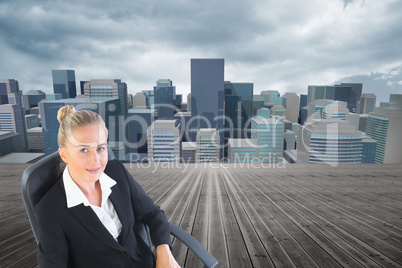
x: 298, y: 216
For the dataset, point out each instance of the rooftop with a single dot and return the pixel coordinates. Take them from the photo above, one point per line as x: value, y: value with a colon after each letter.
x: 262, y: 216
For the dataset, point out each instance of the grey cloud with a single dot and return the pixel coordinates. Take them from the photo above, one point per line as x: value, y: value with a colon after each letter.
x: 285, y: 44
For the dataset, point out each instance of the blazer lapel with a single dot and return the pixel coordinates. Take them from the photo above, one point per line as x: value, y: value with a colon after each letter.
x: 121, y: 209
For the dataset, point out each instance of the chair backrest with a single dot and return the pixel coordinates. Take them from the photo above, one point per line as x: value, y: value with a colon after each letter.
x: 37, y: 179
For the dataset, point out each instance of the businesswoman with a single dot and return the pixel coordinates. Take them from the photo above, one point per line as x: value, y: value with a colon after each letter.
x: 88, y: 218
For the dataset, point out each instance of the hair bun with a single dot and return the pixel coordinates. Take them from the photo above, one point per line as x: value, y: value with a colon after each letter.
x: 64, y: 111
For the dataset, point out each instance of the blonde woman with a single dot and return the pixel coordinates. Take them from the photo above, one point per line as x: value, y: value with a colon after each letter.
x: 87, y: 218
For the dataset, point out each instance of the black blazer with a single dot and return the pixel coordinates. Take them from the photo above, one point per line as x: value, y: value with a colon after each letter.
x: 75, y: 237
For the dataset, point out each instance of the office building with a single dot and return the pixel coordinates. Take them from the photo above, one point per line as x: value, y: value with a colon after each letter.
x: 138, y: 122
x: 258, y: 103
x: 366, y: 104
x: 207, y: 146
x: 188, y: 150
x: 10, y: 92
x: 164, y: 98
x: 185, y: 131
x: 31, y: 121
x: 242, y: 151
x: 271, y: 97
x: 178, y: 101
x: 53, y: 97
x: 108, y: 88
x: 264, y: 113
x: 385, y: 126
x: 7, y: 142
x: 268, y: 134
x: 278, y: 110
x: 303, y: 101
x: 164, y: 141
x: 289, y: 140
x: 349, y: 93
x: 108, y: 109
x: 189, y: 102
x: 207, y: 92
x: 362, y: 122
x: 346, y: 92
x: 290, y: 101
x: 238, y: 110
x: 140, y: 101
x: 335, y: 110
x: 369, y: 149
x: 329, y: 141
x: 149, y: 94
x: 12, y: 119
x: 315, y: 92
x: 82, y: 88
x: 32, y: 98
x: 64, y: 83
x: 35, y: 140
x: 354, y: 120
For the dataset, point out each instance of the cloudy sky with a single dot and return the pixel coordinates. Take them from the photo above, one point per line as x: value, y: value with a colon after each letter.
x: 276, y: 44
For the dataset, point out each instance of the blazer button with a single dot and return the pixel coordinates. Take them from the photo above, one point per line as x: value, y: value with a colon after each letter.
x: 123, y: 252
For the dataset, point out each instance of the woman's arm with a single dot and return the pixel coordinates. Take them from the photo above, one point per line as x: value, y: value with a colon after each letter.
x: 53, y: 248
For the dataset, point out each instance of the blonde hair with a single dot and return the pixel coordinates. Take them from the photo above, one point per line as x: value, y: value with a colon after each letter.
x: 71, y: 119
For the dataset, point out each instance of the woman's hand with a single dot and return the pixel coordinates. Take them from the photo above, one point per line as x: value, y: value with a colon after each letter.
x: 164, y: 258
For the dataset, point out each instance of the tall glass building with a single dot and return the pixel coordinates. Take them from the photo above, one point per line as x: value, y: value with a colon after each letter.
x: 164, y: 98
x: 207, y: 92
x: 64, y: 83
x: 238, y: 109
x: 268, y: 134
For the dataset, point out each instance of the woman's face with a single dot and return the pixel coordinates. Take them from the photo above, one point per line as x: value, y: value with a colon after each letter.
x: 86, y: 153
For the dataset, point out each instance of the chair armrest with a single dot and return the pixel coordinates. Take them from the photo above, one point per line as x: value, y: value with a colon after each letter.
x: 207, y: 259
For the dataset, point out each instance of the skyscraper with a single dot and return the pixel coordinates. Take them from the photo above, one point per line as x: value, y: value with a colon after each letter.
x: 164, y: 141
x: 384, y: 125
x: 10, y: 92
x: 238, y: 109
x: 346, y: 92
x: 64, y: 83
x: 366, y: 104
x: 335, y: 110
x: 138, y: 121
x: 12, y: 119
x: 207, y: 146
x: 291, y: 104
x: 32, y: 98
x: 349, y: 93
x: 267, y: 134
x: 207, y: 92
x: 164, y: 98
x: 108, y: 88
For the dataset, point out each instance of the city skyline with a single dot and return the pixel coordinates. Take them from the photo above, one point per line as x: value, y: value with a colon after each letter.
x: 265, y: 43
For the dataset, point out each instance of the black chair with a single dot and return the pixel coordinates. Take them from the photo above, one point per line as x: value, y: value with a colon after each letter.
x: 38, y: 178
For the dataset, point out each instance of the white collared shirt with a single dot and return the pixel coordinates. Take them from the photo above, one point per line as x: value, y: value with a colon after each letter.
x: 106, y: 212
